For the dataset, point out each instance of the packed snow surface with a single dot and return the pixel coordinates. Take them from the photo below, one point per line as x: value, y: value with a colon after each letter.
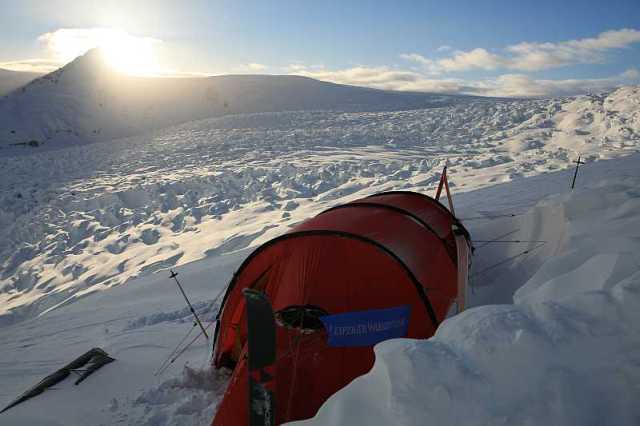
x: 77, y: 221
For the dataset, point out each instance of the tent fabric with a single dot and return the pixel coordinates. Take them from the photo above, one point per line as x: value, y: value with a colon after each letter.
x: 387, y: 250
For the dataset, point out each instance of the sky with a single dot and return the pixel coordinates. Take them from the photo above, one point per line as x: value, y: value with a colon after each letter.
x: 497, y: 48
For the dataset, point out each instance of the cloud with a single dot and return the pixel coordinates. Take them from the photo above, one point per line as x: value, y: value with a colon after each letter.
x: 443, y: 48
x: 460, y: 61
x: 428, y: 65
x: 528, y: 56
x: 384, y: 78
x: 631, y: 74
x: 615, y: 39
x: 476, y: 58
x: 173, y: 73
x: 41, y: 66
x: 296, y: 67
x: 506, y: 85
x: 538, y: 56
x: 519, y: 85
x: 256, y: 67
x: 250, y: 68
x: 418, y: 58
x: 65, y: 44
x: 379, y: 78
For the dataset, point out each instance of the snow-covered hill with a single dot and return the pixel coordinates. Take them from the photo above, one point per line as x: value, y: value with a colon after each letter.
x: 11, y: 80
x: 87, y: 101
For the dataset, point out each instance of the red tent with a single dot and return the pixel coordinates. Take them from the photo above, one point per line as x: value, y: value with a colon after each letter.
x: 387, y: 250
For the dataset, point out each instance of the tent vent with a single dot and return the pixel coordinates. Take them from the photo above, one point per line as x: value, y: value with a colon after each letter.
x: 306, y: 318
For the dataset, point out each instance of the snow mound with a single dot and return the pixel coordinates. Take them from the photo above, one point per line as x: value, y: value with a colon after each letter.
x: 564, y: 353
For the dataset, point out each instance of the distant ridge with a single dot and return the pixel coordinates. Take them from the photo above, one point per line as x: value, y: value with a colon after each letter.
x: 12, y: 80
x: 86, y: 101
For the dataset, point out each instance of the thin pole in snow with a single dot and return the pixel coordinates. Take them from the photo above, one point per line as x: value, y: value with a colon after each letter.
x: 174, y: 275
x: 509, y: 241
x: 573, y: 182
x: 508, y: 259
x: 490, y: 217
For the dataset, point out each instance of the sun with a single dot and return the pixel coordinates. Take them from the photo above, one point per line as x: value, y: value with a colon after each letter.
x: 125, y: 52
x: 131, y: 55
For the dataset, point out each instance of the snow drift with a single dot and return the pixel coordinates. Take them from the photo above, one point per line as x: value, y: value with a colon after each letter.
x: 565, y: 352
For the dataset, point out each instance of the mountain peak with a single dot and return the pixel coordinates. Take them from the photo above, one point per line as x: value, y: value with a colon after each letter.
x: 94, y: 60
x: 88, y: 67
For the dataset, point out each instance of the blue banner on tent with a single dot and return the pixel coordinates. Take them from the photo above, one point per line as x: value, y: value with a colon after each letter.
x: 366, y: 328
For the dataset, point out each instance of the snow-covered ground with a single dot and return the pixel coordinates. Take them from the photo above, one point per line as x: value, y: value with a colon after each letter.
x: 85, y: 218
x: 78, y: 221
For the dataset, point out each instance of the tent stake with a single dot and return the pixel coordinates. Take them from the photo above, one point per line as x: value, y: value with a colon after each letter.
x: 573, y: 182
x: 174, y: 275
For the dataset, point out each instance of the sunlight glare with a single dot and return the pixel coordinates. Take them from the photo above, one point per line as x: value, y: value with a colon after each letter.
x: 124, y: 52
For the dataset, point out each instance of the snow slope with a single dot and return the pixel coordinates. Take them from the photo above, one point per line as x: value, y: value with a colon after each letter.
x: 11, y: 80
x: 87, y: 101
x: 138, y: 325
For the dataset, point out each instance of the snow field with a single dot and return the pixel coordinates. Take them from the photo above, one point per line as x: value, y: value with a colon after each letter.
x: 197, y: 197
x: 140, y: 324
x: 86, y: 218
